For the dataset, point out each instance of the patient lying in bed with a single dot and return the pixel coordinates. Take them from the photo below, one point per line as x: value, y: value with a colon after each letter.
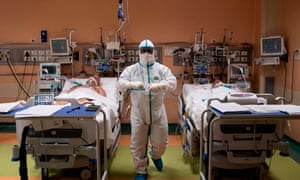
x: 197, y: 97
x: 89, y: 91
x: 93, y: 83
x: 82, y: 94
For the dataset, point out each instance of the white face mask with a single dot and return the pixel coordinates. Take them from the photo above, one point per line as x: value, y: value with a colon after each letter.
x: 146, y: 58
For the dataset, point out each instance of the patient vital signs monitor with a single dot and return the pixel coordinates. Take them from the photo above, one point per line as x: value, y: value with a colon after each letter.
x: 272, y: 46
x: 60, y: 47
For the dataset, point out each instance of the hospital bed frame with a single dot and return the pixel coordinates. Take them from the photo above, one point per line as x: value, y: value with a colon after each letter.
x: 191, y: 135
x: 108, y: 89
x: 188, y: 130
x: 234, y: 145
x: 75, y: 102
x: 228, y: 148
x: 64, y: 148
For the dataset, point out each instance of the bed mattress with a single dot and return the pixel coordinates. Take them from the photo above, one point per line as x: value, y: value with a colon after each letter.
x: 196, y: 96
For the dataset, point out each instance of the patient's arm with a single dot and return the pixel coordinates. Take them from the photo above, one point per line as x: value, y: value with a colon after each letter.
x: 98, y: 89
x: 75, y: 87
x: 85, y: 100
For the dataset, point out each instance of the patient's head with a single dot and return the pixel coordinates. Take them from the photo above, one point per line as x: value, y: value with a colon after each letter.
x: 93, y: 81
x: 216, y: 83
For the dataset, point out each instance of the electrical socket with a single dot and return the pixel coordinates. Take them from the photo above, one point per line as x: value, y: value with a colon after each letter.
x: 297, y: 54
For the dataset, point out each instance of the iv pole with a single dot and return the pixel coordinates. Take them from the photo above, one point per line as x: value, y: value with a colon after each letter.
x: 73, y: 46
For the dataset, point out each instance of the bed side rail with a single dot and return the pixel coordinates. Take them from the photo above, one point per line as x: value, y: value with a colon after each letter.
x: 271, y: 99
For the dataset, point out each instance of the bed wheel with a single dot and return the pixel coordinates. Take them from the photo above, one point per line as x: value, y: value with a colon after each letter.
x: 215, y: 174
x: 258, y: 173
x: 86, y: 174
x: 45, y: 173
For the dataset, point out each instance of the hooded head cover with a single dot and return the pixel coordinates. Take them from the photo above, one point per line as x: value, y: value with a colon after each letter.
x: 146, y: 52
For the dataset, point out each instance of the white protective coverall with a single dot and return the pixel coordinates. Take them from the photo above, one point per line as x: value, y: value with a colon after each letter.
x: 147, y: 85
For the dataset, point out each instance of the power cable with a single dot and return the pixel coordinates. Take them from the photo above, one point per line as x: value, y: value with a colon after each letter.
x: 22, y: 80
x: 16, y: 78
x: 285, y: 78
x: 292, y: 79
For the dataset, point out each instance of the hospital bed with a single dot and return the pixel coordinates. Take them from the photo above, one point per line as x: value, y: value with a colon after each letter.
x: 111, y: 104
x: 233, y: 140
x: 192, y: 103
x: 71, y: 140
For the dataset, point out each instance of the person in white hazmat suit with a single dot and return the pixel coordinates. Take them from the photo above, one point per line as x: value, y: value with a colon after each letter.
x: 147, y: 82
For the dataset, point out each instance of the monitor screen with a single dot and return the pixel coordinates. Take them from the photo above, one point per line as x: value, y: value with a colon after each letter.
x: 272, y: 46
x: 49, y: 70
x: 59, y: 47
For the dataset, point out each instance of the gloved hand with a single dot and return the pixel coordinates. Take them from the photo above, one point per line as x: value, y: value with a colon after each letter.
x: 162, y: 86
x: 135, y: 84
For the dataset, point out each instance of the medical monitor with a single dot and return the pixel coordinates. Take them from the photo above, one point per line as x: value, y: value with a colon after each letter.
x: 49, y: 71
x: 59, y: 47
x: 272, y: 46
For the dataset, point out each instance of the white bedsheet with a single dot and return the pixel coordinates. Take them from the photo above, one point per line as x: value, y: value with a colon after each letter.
x: 107, y: 83
x: 196, y: 98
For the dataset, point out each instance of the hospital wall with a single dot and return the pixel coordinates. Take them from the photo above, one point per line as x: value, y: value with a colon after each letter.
x: 168, y: 23
x: 290, y: 29
x: 279, y: 17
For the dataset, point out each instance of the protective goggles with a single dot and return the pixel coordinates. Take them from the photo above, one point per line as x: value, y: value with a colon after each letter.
x: 146, y: 50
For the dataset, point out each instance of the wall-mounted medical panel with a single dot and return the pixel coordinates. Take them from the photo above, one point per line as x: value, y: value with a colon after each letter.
x: 240, y: 53
x: 24, y: 53
x: 29, y: 54
x: 92, y: 54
